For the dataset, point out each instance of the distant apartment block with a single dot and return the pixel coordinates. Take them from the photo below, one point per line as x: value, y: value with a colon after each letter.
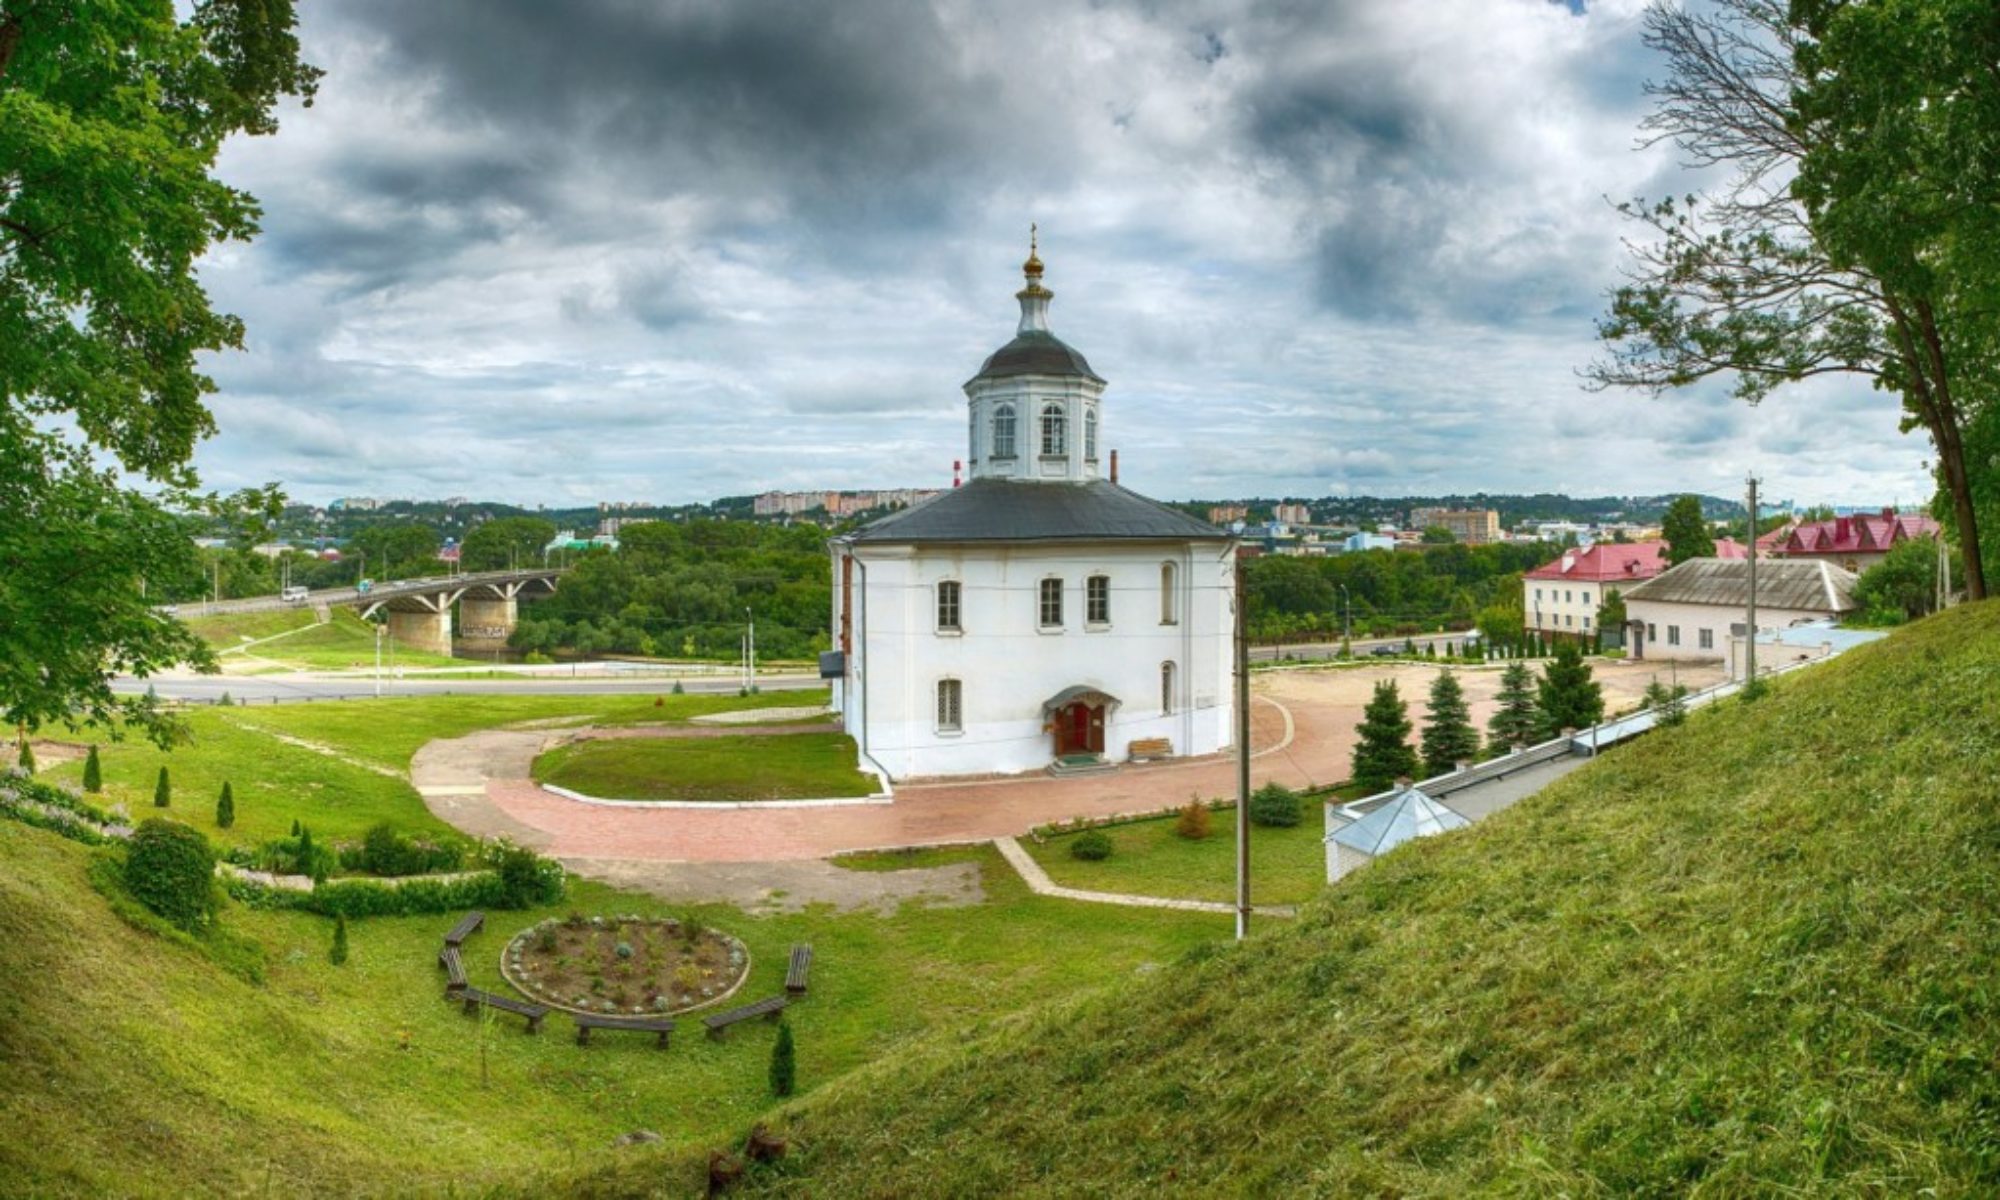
x: 1224, y: 514
x: 356, y: 504
x: 1473, y: 526
x: 837, y: 504
x: 1292, y: 514
x: 608, y: 527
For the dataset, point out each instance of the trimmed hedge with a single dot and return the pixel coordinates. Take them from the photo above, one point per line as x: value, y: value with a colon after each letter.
x: 517, y: 878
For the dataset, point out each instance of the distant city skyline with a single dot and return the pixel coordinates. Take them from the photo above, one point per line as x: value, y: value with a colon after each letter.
x: 1317, y: 251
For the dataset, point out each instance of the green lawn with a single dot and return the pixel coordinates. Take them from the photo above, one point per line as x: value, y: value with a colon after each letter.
x: 233, y: 629
x: 135, y: 1066
x: 344, y: 642
x: 1287, y: 866
x: 275, y: 782
x: 747, y: 766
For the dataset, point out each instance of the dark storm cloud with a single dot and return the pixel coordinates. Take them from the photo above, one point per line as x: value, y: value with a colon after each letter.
x: 685, y: 248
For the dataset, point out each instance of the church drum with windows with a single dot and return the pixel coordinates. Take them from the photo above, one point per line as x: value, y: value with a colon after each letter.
x: 1041, y: 612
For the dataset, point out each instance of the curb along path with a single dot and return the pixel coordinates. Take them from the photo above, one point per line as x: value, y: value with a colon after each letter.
x: 1038, y: 882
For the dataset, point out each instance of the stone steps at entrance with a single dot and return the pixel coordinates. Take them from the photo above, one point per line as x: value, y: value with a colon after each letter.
x: 1078, y: 764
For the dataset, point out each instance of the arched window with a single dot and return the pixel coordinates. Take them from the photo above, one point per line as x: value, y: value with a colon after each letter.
x: 1003, y: 431
x: 1090, y: 434
x: 1167, y: 688
x: 1169, y: 613
x: 1055, y: 431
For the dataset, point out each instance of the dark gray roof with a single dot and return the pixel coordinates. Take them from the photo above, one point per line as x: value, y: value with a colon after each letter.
x: 1003, y: 510
x: 1805, y: 584
x: 1036, y: 353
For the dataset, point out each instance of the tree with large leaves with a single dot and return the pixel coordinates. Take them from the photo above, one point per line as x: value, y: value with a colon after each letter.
x: 1809, y: 259
x: 111, y: 117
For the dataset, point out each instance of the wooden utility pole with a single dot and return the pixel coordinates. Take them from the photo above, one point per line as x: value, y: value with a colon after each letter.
x: 1750, y: 642
x: 1242, y: 752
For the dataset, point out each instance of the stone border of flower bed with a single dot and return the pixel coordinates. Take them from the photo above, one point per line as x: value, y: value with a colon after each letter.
x: 507, y: 972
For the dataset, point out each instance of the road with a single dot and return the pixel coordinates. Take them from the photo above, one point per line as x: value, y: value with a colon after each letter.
x: 354, y: 597
x: 283, y: 689
x: 1314, y: 651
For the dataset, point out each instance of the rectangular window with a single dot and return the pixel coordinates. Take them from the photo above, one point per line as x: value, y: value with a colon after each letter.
x: 1538, y: 595
x: 1097, y: 599
x: 1673, y: 635
x: 1051, y: 614
x: 1569, y: 619
x: 948, y: 606
x: 1652, y: 632
x: 950, y: 714
x: 1167, y: 688
x: 1585, y: 593
x: 1586, y: 622
x: 1568, y: 596
x: 1707, y: 639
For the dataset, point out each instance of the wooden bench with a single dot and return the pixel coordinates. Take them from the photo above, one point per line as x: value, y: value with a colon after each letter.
x: 473, y: 998
x: 795, y: 975
x: 769, y: 1008
x: 1146, y: 749
x: 465, y: 928
x: 585, y: 1022
x: 454, y: 970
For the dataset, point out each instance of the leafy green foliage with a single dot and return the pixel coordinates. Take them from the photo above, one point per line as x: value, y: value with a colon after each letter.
x: 338, y: 954
x: 1902, y: 587
x: 1391, y: 592
x: 1275, y: 806
x: 1566, y: 697
x: 93, y: 772
x: 506, y: 542
x: 26, y: 759
x: 784, y: 1062
x: 1668, y: 703
x: 170, y: 869
x: 1449, y: 737
x: 111, y: 117
x: 1686, y: 531
x: 386, y: 851
x: 1383, y: 753
x: 1092, y: 845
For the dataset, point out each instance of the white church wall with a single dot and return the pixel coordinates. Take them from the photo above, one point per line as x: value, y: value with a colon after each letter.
x: 1008, y: 666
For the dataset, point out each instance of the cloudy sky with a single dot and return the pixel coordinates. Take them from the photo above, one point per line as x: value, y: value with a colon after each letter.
x: 665, y: 250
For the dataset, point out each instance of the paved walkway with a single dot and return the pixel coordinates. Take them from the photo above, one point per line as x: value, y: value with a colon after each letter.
x: 1038, y: 882
x: 480, y: 783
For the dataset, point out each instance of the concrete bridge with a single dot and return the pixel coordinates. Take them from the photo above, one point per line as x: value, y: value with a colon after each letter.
x: 419, y: 610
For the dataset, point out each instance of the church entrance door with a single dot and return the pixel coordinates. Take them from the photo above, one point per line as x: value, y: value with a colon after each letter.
x: 1079, y: 729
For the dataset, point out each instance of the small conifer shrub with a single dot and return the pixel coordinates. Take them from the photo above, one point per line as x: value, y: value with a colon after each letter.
x: 338, y: 955
x: 1092, y: 845
x: 784, y: 1062
x: 225, y: 808
x: 163, y: 790
x: 93, y: 772
x: 1192, y: 823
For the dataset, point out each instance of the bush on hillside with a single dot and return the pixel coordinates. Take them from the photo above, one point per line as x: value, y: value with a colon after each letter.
x: 526, y: 878
x: 27, y: 759
x: 170, y: 869
x: 225, y: 807
x: 1093, y: 845
x: 338, y: 955
x: 784, y: 1062
x: 51, y: 809
x: 93, y: 772
x: 384, y: 851
x: 163, y: 790
x: 1276, y: 805
x: 1193, y: 823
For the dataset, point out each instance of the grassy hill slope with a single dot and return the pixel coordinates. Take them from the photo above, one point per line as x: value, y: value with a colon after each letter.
x: 1755, y: 955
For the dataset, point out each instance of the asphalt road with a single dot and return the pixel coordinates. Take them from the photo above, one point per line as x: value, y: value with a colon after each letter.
x: 283, y: 689
x: 1313, y: 651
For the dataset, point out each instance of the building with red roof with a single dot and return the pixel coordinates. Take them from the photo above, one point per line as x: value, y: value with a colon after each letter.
x: 1563, y: 596
x: 1853, y: 543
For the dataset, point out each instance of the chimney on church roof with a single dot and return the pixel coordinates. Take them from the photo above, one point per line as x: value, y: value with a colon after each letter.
x: 1114, y: 466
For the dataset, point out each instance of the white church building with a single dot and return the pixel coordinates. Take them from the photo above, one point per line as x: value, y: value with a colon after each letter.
x: 1039, y: 614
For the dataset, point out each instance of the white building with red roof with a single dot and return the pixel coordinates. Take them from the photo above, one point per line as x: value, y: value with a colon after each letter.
x: 1562, y: 597
x: 1853, y: 543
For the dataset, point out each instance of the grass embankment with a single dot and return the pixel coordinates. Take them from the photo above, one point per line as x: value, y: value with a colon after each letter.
x: 230, y: 630
x: 1750, y: 956
x: 295, y: 638
x: 136, y: 1066
x: 798, y: 766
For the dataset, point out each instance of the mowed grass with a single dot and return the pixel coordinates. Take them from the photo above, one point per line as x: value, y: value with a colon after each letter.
x: 1287, y: 865
x: 275, y: 782
x: 1750, y: 956
x: 135, y: 1066
x: 748, y: 766
x: 233, y: 629
x: 346, y: 642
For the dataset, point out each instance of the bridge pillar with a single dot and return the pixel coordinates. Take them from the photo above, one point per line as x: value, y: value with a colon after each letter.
x: 427, y: 631
x: 485, y: 622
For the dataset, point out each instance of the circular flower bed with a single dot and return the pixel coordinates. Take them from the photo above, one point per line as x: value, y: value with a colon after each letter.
x: 625, y: 965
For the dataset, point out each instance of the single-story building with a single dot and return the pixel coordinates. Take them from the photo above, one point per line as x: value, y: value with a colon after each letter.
x: 1693, y: 611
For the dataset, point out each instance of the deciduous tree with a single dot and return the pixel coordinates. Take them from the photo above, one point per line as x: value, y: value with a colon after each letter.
x: 111, y: 117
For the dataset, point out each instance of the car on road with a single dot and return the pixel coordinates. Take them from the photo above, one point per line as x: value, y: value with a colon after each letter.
x: 1385, y: 651
x: 293, y: 595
